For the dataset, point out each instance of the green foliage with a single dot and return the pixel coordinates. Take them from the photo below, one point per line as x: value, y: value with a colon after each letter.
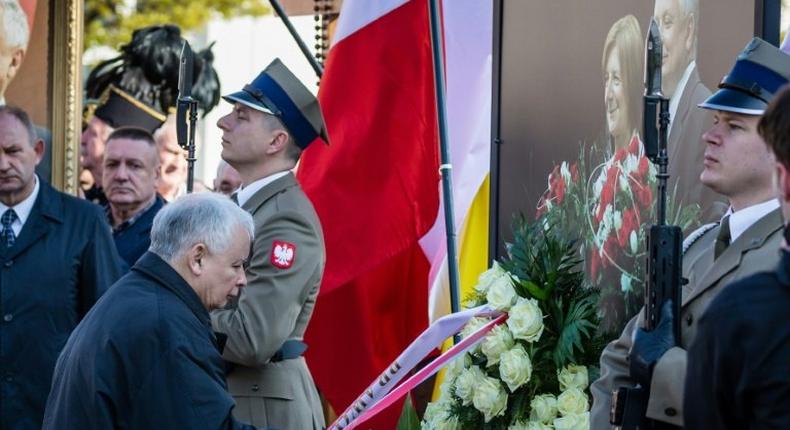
x: 111, y: 22
x: 408, y: 417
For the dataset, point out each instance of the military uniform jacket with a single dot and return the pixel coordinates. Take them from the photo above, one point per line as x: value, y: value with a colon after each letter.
x: 144, y: 358
x: 739, y: 365
x: 276, y: 306
x: 59, y: 265
x: 755, y: 250
x: 687, y: 151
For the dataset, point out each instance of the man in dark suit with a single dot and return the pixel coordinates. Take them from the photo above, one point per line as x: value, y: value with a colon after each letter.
x: 739, y: 367
x: 145, y: 357
x: 56, y: 259
x: 738, y: 165
x: 678, y: 22
x: 130, y: 174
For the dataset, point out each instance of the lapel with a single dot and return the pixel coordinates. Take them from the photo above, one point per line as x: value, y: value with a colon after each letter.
x: 754, y: 237
x: 684, y: 107
x: 270, y: 190
x: 47, y: 211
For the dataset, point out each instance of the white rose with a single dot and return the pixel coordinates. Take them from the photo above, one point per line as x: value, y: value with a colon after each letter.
x: 618, y: 220
x: 515, y: 368
x: 633, y: 242
x: 572, y: 401
x: 432, y: 410
x: 573, y: 376
x: 526, y: 320
x: 497, y: 341
x: 565, y: 172
x: 488, y: 277
x: 529, y: 425
x: 446, y: 421
x: 472, y: 326
x: 625, y: 283
x: 543, y: 408
x: 466, y: 382
x: 573, y: 422
x: 502, y: 295
x: 490, y: 398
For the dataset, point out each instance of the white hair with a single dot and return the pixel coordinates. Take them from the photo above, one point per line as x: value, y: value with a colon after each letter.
x: 197, y: 218
x: 17, y: 32
x: 691, y: 7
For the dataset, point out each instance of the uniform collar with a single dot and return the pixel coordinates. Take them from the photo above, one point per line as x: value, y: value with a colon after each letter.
x: 245, y: 193
x: 741, y: 220
x: 155, y: 267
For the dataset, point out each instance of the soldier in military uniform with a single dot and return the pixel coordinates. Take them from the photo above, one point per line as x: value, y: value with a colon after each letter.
x: 739, y: 166
x: 273, y: 119
x: 739, y: 365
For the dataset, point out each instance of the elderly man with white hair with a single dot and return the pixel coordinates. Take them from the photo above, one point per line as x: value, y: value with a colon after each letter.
x: 145, y: 357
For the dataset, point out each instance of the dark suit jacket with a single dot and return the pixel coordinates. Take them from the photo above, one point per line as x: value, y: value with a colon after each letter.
x: 62, y: 261
x: 134, y: 240
x: 739, y: 365
x: 687, y: 152
x: 144, y: 358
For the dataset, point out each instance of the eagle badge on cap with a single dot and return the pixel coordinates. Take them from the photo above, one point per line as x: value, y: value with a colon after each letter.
x: 283, y: 254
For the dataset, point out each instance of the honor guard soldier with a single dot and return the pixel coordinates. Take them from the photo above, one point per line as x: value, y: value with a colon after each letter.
x: 739, y: 365
x: 274, y: 118
x: 741, y: 167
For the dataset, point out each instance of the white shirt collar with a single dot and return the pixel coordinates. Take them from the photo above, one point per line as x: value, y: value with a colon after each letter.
x: 23, y: 208
x: 245, y: 193
x: 741, y: 220
x: 674, y: 101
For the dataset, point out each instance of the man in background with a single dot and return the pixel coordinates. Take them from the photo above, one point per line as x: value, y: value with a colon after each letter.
x: 172, y: 157
x: 678, y: 22
x: 227, y: 180
x: 57, y: 258
x: 131, y: 172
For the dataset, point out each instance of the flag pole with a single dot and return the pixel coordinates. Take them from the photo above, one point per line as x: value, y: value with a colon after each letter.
x: 278, y: 9
x: 446, y: 167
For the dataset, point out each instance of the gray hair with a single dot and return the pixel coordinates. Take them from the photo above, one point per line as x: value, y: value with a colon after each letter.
x: 197, y: 218
x: 17, y: 32
x: 691, y: 7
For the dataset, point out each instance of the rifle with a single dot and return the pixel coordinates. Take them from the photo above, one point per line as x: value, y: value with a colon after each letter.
x: 664, y: 243
x: 185, y: 127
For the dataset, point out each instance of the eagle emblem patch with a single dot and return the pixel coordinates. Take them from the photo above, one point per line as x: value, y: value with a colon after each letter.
x: 283, y: 254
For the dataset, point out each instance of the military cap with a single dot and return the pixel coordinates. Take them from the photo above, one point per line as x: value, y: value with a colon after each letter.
x: 760, y: 70
x: 276, y: 91
x: 119, y: 109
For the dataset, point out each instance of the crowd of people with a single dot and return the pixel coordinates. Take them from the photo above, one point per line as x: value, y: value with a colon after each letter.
x: 139, y: 306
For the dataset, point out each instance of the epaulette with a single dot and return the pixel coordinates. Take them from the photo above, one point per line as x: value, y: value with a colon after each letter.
x: 695, y: 235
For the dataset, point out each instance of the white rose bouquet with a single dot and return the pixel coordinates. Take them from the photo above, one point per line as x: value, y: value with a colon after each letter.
x: 533, y: 371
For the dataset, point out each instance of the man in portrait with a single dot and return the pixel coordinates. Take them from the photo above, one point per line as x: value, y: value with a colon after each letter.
x: 678, y: 21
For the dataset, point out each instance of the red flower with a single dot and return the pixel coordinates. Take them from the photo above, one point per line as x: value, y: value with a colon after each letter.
x: 595, y: 262
x: 574, y: 172
x: 620, y: 155
x: 609, y: 249
x: 643, y: 168
x: 630, y: 223
x: 559, y: 190
x: 644, y: 196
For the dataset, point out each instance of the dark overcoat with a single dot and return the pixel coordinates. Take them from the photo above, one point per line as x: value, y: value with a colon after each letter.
x: 61, y: 262
x: 144, y: 358
x: 134, y: 240
x: 739, y: 365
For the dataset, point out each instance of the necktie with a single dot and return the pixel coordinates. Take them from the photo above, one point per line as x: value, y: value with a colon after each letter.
x: 7, y: 234
x: 723, y: 239
x: 235, y: 198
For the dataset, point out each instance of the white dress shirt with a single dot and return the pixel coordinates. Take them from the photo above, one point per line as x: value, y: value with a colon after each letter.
x: 22, y: 209
x: 245, y: 193
x: 744, y: 218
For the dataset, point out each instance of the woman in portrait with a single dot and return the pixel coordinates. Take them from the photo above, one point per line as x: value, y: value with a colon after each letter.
x: 621, y: 64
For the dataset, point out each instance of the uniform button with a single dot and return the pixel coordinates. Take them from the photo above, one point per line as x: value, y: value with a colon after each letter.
x: 255, y: 387
x: 8, y: 317
x: 8, y: 263
x: 671, y: 412
x: 689, y: 319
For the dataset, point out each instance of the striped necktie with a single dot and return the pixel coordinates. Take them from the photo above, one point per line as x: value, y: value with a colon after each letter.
x: 7, y: 234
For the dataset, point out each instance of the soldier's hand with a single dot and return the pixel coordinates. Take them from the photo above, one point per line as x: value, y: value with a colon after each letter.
x: 650, y: 346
